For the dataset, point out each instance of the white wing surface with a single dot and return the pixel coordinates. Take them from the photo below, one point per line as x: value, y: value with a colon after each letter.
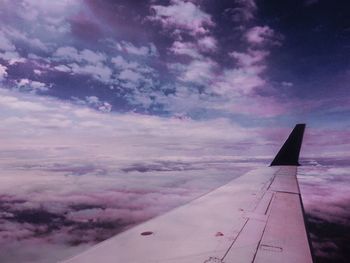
x: 257, y: 217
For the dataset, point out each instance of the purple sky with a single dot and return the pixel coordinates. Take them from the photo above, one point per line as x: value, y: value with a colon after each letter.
x: 116, y: 111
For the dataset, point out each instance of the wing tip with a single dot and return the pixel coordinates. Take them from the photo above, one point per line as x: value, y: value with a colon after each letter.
x: 289, y: 152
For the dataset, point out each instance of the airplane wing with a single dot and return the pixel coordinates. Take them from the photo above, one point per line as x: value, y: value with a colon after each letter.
x: 257, y: 217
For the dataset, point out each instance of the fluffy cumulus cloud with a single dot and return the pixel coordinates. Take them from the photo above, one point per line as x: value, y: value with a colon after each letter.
x: 260, y: 35
x: 3, y: 72
x: 32, y: 86
x: 145, y: 74
x: 183, y: 15
x: 72, y: 54
x: 235, y: 85
x: 197, y: 72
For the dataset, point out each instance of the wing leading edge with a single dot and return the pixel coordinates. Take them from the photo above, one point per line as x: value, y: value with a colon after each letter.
x: 257, y: 217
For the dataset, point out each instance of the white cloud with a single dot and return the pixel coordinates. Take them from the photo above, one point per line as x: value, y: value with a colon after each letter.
x: 3, y: 72
x: 120, y: 63
x: 32, y: 85
x: 132, y: 75
x: 207, y: 43
x: 102, y: 106
x: 241, y: 81
x: 252, y: 57
x: 92, y: 57
x: 99, y: 71
x: 182, y: 15
x: 12, y: 57
x: 130, y: 124
x: 54, y: 7
x: 86, y: 55
x: 259, y: 35
x: 37, y: 72
x: 245, y: 77
x: 33, y: 42
x: 12, y: 102
x: 85, y: 62
x: 199, y: 71
x: 39, y: 86
x: 48, y: 16
x: 129, y: 75
x: 129, y: 48
x: 184, y: 48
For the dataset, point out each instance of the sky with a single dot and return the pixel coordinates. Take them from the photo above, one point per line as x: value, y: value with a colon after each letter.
x: 115, y: 111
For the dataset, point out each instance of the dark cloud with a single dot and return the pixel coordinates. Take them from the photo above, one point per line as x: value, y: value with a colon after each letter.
x: 67, y: 169
x: 325, y: 186
x: 329, y: 239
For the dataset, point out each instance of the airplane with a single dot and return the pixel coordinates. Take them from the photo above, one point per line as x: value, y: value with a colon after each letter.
x: 257, y: 217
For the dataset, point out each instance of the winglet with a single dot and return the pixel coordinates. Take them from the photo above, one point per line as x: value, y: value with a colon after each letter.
x: 289, y: 153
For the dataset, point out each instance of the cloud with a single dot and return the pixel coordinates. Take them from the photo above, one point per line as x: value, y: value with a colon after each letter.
x: 84, y: 62
x: 260, y: 35
x: 251, y: 58
x: 73, y: 176
x: 8, y: 49
x: 199, y: 71
x: 43, y: 16
x: 17, y: 104
x: 5, y: 43
x: 31, y: 41
x: 78, y: 183
x: 121, y: 63
x: 32, y: 86
x: 99, y: 71
x: 86, y: 55
x: 12, y: 57
x: 33, y: 8
x: 182, y: 15
x: 3, y: 72
x: 223, y: 88
x: 129, y: 75
x: 138, y: 78
x: 245, y: 78
x: 184, y: 48
x: 256, y: 105
x: 329, y: 188
x: 324, y: 184
x: 95, y: 103
x: 243, y: 12
x: 242, y: 80
x: 207, y: 43
x: 192, y: 49
x: 131, y: 49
